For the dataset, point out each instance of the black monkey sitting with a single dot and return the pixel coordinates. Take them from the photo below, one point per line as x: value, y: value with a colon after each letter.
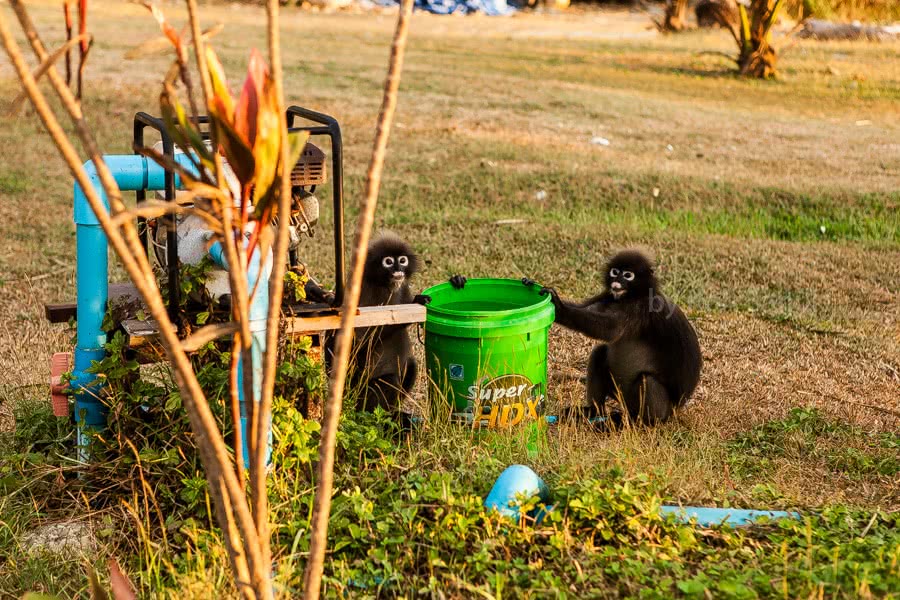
x: 385, y: 369
x: 651, y: 357
x: 382, y: 366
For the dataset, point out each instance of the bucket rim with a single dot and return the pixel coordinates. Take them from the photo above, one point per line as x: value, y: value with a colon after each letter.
x: 541, y: 303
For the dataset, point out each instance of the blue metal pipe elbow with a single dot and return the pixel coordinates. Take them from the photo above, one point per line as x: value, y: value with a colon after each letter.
x: 131, y: 172
x: 515, y: 480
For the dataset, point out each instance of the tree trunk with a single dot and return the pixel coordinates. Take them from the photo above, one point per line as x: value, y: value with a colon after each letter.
x: 717, y: 13
x: 756, y: 56
x: 760, y: 64
x: 676, y: 15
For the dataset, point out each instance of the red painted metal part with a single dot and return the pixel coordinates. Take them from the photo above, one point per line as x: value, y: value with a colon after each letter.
x: 59, y: 364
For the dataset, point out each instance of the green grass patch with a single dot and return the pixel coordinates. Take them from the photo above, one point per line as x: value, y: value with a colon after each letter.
x: 13, y: 183
x: 408, y: 520
x: 644, y: 203
x: 408, y: 516
x: 809, y: 435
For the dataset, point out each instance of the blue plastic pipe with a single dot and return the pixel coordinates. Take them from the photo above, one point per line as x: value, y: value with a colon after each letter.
x: 259, y: 312
x: 131, y: 173
x: 515, y: 480
x: 736, y: 517
x: 519, y: 480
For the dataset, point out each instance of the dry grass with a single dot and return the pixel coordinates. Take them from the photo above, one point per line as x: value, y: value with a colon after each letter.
x: 786, y: 319
x: 863, y: 10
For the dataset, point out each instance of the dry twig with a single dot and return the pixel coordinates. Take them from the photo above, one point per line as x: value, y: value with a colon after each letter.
x: 232, y: 512
x: 322, y: 506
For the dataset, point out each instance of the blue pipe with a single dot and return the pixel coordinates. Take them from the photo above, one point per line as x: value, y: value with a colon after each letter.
x: 131, y: 172
x: 259, y: 313
x: 711, y: 516
x: 515, y: 480
x: 519, y: 480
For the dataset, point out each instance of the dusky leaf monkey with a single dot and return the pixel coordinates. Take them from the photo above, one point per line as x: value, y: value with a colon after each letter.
x: 650, y: 356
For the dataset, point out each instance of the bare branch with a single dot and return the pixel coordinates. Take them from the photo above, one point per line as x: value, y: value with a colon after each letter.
x: 42, y: 68
x: 236, y: 406
x: 276, y: 288
x: 67, y: 14
x: 213, y: 453
x: 84, y: 47
x: 207, y: 334
x: 161, y: 44
x: 199, y: 52
x: 322, y: 506
x: 152, y: 210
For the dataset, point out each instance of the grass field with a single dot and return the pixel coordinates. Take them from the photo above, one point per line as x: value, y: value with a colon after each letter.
x: 772, y: 208
x: 863, y: 10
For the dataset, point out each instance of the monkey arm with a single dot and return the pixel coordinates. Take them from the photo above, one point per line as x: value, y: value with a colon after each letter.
x: 593, y: 317
x: 592, y: 300
x: 593, y: 320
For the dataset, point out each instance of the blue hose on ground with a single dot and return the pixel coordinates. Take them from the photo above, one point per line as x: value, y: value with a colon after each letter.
x: 521, y: 481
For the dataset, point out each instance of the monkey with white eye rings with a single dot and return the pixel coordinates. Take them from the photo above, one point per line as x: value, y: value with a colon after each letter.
x: 650, y: 356
x: 384, y: 369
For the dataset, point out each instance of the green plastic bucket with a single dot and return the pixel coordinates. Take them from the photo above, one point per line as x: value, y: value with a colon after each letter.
x: 486, y: 350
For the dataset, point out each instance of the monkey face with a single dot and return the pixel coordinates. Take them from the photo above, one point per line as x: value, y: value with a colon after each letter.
x: 395, y: 268
x: 629, y: 274
x: 390, y: 264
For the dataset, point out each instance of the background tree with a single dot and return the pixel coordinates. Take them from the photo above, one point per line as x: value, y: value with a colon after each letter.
x: 751, y: 27
x: 675, y: 17
x: 756, y: 55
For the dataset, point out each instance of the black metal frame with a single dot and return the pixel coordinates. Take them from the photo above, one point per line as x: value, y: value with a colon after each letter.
x: 141, y: 121
x: 328, y: 125
x: 325, y: 125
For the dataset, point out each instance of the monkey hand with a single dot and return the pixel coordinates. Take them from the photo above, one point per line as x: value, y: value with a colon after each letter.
x: 554, y: 295
x: 315, y: 293
x: 528, y: 282
x: 422, y: 299
x: 458, y: 281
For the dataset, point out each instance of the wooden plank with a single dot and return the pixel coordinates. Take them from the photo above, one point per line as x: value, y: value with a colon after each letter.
x: 366, y: 316
x: 141, y: 333
x: 118, y: 290
x: 62, y: 312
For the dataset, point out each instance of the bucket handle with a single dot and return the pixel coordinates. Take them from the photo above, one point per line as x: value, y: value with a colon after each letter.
x: 419, y: 333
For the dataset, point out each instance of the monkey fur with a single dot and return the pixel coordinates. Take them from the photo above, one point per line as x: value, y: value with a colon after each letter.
x: 650, y: 356
x: 384, y: 369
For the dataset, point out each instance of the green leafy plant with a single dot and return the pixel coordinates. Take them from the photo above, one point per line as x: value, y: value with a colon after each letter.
x: 808, y: 434
x: 301, y: 374
x: 752, y: 32
x: 295, y: 282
